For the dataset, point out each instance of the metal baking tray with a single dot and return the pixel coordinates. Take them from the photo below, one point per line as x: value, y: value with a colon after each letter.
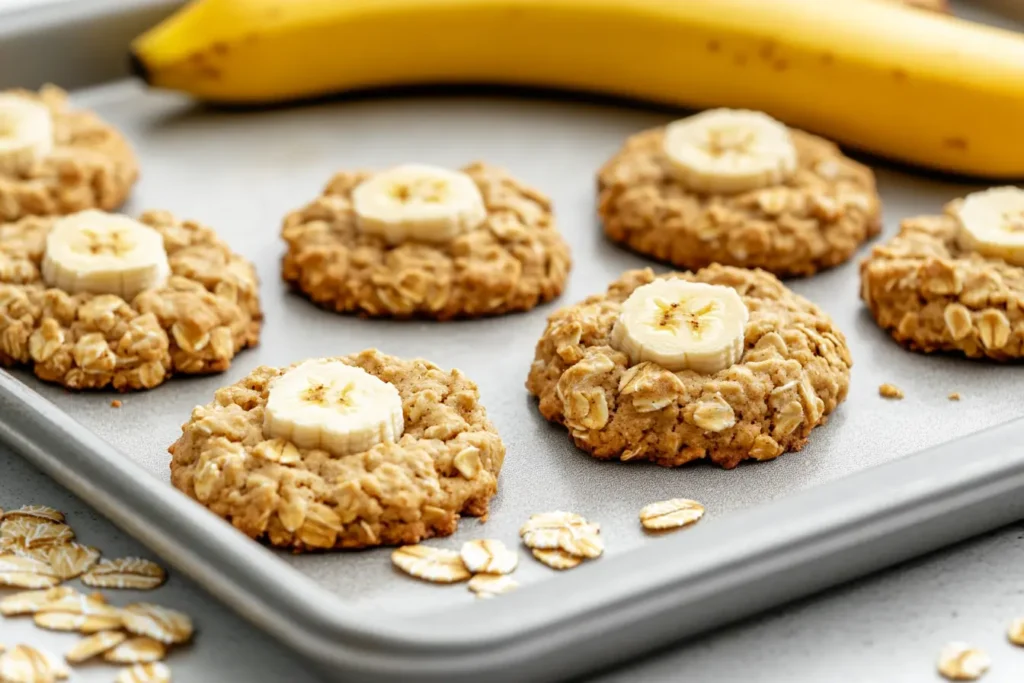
x: 881, y: 482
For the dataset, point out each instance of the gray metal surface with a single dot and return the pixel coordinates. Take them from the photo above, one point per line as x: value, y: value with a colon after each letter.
x: 240, y: 172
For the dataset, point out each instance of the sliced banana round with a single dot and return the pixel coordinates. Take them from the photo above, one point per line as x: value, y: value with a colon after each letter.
x: 418, y: 203
x: 26, y: 132
x: 336, y: 407
x: 104, y: 253
x: 729, y: 150
x: 682, y: 325
x: 992, y: 223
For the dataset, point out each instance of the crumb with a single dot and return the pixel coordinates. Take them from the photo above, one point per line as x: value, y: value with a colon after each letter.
x: 954, y: 396
x: 890, y: 391
x: 115, y: 404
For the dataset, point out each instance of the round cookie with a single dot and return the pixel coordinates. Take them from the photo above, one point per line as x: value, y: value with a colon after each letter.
x: 207, y: 311
x: 90, y: 165
x: 815, y: 219
x: 513, y: 261
x: 793, y: 371
x: 933, y: 295
x: 445, y: 464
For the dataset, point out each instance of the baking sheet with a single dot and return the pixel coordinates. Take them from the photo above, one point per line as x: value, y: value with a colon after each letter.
x: 240, y: 172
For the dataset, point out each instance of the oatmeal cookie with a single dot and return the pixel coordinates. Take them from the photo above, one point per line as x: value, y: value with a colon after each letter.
x: 931, y: 294
x: 813, y: 219
x: 80, y: 162
x: 513, y: 260
x: 445, y: 463
x: 793, y: 371
x: 206, y: 311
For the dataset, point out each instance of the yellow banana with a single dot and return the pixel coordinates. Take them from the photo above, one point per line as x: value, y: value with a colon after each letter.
x: 926, y: 89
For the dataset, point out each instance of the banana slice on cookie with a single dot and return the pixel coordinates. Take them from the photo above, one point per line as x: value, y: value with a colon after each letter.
x: 726, y: 151
x: 104, y: 253
x: 26, y: 132
x: 336, y: 407
x: 682, y: 325
x: 419, y: 203
x: 992, y: 223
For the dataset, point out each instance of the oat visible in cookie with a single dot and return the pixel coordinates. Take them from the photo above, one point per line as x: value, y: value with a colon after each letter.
x: 962, y: 662
x: 198, y: 314
x: 722, y: 187
x: 58, y: 160
x: 793, y: 373
x: 303, y: 498
x: 391, y: 244
x: 936, y: 287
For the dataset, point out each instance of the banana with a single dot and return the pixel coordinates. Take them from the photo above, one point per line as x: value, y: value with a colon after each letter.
x: 728, y: 151
x: 992, y: 223
x: 104, y: 253
x: 682, y: 325
x: 336, y: 407
x: 26, y: 133
x: 417, y: 202
x: 919, y: 87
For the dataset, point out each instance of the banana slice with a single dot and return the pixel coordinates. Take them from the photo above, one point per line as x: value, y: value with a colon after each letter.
x: 682, y: 325
x: 332, y: 406
x: 26, y: 132
x: 418, y: 203
x: 992, y: 223
x: 729, y: 150
x: 104, y: 253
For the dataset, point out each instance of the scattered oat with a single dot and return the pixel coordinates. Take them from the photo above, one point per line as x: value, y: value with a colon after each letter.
x: 489, y: 557
x: 93, y: 604
x: 94, y: 645
x: 955, y: 396
x: 565, y: 530
x: 154, y: 672
x: 37, y: 511
x: 21, y: 533
x: 1016, y: 632
x: 890, y: 391
x: 27, y: 580
x: 557, y: 558
x: 72, y: 559
x: 489, y: 585
x: 430, y: 564
x: 136, y: 651
x: 29, y: 602
x: 26, y: 664
x: 116, y: 404
x: 27, y: 565
x: 160, y: 623
x: 961, y: 662
x: 125, y: 572
x: 671, y: 514
x: 83, y: 623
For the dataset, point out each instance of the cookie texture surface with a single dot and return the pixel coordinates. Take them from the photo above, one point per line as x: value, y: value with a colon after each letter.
x: 793, y: 373
x: 91, y: 165
x: 445, y: 464
x: 815, y: 220
x: 207, y: 311
x: 514, y: 261
x: 931, y: 295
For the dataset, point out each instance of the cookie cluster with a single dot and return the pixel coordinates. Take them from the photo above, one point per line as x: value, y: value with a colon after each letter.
x: 719, y: 361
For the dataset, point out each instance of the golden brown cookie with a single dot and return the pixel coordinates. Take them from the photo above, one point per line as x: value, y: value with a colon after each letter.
x: 88, y: 165
x: 815, y: 219
x: 445, y: 463
x: 513, y: 261
x: 207, y: 311
x: 932, y: 294
x: 793, y: 372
